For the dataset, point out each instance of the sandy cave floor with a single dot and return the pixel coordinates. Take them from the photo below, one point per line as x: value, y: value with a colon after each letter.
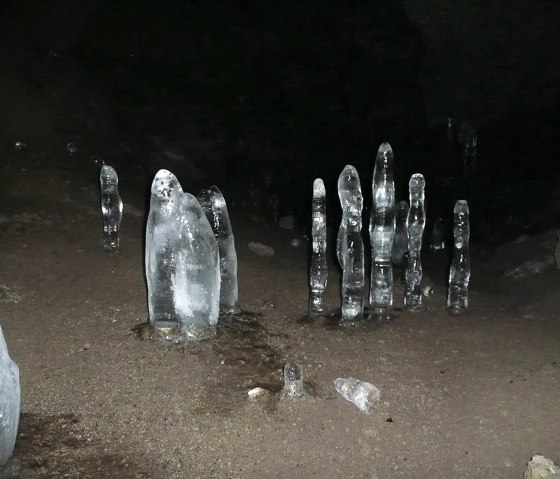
x: 468, y: 397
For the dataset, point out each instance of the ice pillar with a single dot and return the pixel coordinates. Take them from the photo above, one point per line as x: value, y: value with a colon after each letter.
x: 10, y: 396
x: 415, y: 222
x: 318, y: 270
x: 215, y: 208
x: 350, y: 247
x: 111, y: 208
x: 460, y: 271
x: 382, y: 230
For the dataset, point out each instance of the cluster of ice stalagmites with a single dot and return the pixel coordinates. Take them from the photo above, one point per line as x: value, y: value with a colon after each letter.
x: 396, y: 236
x: 182, y: 264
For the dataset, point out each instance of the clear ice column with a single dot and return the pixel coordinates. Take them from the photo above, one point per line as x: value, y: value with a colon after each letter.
x: 196, y: 279
x: 400, y: 245
x: 215, y: 208
x: 111, y: 208
x: 318, y: 270
x: 349, y: 244
x: 162, y: 237
x: 460, y: 271
x: 382, y: 230
x: 10, y: 397
x: 415, y: 223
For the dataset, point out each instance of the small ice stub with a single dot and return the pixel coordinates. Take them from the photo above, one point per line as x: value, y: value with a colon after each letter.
x: 363, y: 394
x: 382, y: 230
x: 293, y: 382
x: 400, y: 246
x: 349, y: 244
x: 415, y: 223
x: 318, y: 272
x: 196, y: 279
x: 215, y: 208
x: 460, y: 270
x: 162, y: 239
x: 111, y: 208
x: 10, y: 397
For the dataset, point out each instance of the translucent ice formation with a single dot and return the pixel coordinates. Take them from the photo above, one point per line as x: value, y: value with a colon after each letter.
x: 460, y: 271
x: 111, y: 208
x: 182, y: 264
x: 214, y: 205
x: 318, y: 271
x: 293, y: 382
x: 400, y: 246
x: 437, y: 241
x: 196, y: 280
x: 9, y: 402
x: 415, y: 222
x: 382, y: 230
x: 349, y: 244
x: 364, y: 395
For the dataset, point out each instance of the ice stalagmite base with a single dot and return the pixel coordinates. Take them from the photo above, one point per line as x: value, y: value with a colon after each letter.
x: 415, y: 223
x: 111, y: 208
x: 382, y: 231
x: 318, y: 271
x: 214, y: 205
x: 349, y: 244
x: 460, y: 271
x: 10, y: 397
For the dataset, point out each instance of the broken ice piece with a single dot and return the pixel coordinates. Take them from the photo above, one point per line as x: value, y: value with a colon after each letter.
x: 257, y: 392
x: 293, y: 382
x: 10, y: 396
x: 540, y: 467
x: 364, y: 395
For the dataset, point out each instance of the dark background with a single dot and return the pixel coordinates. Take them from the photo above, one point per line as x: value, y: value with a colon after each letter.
x: 266, y: 96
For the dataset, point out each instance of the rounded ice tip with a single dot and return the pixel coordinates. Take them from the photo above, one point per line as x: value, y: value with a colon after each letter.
x: 384, y: 148
x: 318, y: 187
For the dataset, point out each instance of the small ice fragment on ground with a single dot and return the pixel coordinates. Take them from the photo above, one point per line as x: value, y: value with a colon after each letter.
x: 540, y: 467
x: 364, y: 395
x: 293, y: 382
x: 256, y: 392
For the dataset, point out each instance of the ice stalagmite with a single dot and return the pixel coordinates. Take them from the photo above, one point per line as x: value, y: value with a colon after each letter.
x: 382, y: 230
x: 318, y: 270
x: 9, y: 402
x: 400, y: 246
x: 460, y: 271
x: 111, y: 208
x: 349, y: 244
x: 415, y: 222
x: 162, y: 238
x: 215, y: 208
x: 196, y: 279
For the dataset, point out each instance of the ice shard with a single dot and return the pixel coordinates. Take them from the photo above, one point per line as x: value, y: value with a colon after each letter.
x: 400, y: 246
x: 349, y: 244
x: 415, y: 223
x: 215, y: 208
x: 111, y: 208
x: 318, y: 270
x: 196, y: 279
x: 382, y: 230
x: 293, y: 382
x: 10, y: 397
x: 162, y: 239
x: 460, y: 271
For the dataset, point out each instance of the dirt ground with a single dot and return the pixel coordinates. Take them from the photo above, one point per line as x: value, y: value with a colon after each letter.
x: 473, y: 396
